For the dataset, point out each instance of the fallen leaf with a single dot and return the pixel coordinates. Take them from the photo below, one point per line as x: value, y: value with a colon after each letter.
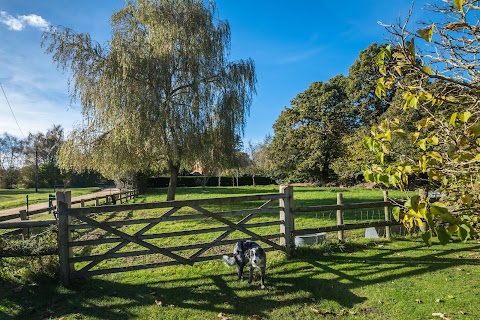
x: 315, y: 310
x: 222, y: 316
x: 342, y: 312
x: 450, y: 296
x: 327, y: 312
x: 438, y: 314
x: 158, y: 303
x: 462, y: 312
x: 418, y: 301
x: 438, y: 300
x: 352, y: 312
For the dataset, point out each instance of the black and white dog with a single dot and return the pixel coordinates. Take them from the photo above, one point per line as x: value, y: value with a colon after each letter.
x: 245, y: 252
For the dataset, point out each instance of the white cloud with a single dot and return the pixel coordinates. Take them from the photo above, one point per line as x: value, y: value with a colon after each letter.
x: 20, y: 22
x: 36, y: 21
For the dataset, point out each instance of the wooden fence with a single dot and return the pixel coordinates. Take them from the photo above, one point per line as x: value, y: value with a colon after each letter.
x: 24, y: 215
x: 276, y: 209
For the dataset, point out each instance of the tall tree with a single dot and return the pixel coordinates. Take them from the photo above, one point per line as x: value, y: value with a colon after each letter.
x: 10, y: 155
x: 159, y: 94
x: 361, y: 85
x: 307, y: 136
x: 42, y: 149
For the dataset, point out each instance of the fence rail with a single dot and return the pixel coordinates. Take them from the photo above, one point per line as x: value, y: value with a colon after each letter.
x: 24, y: 214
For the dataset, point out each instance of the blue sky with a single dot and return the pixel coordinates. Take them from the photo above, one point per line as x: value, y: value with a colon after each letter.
x: 293, y: 44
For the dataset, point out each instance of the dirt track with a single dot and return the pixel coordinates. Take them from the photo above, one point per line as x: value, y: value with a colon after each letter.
x: 44, y: 205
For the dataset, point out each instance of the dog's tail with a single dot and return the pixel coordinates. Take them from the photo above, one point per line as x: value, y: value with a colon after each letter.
x: 229, y: 261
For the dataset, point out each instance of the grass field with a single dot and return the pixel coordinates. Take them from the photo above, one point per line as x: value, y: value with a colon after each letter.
x: 377, y: 279
x: 12, y: 198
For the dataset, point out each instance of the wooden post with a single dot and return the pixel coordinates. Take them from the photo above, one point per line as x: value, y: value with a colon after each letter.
x: 387, y: 214
x: 64, y: 201
x: 286, y: 215
x: 97, y: 201
x: 25, y: 231
x: 82, y: 203
x: 340, y: 233
x: 106, y: 199
x: 120, y: 197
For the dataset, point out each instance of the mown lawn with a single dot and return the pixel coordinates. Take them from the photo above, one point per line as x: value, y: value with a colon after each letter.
x: 13, y: 198
x: 366, y: 279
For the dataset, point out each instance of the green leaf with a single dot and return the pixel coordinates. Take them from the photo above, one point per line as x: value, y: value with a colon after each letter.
x: 396, y: 213
x: 458, y: 4
x: 438, y: 209
x: 463, y: 232
x: 429, y: 218
x: 381, y: 157
x: 427, y: 238
x: 412, y: 202
x: 383, y: 178
x: 443, y: 235
x: 387, y: 51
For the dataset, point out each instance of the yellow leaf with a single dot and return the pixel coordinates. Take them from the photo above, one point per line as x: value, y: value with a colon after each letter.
x: 467, y: 199
x: 399, y: 70
x: 415, y: 136
x: 427, y: 70
x: 464, y: 116
x: 453, y: 118
x: 427, y: 33
x: 458, y: 4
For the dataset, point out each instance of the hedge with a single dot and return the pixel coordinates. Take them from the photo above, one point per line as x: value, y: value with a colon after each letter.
x: 210, y: 181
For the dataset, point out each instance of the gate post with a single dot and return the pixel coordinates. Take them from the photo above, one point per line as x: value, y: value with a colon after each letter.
x: 64, y: 202
x: 340, y: 233
x: 25, y: 231
x: 286, y: 215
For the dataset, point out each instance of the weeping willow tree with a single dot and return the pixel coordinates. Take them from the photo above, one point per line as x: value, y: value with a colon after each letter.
x: 160, y: 95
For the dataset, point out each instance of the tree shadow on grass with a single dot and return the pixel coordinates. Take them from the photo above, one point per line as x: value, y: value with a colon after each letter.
x: 296, y: 282
x: 211, y: 294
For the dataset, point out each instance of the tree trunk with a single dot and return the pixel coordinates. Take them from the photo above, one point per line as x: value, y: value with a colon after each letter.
x: 219, y: 180
x: 253, y: 180
x: 172, y: 185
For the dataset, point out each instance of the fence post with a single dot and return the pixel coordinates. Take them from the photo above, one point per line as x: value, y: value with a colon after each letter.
x: 82, y: 203
x: 25, y: 231
x: 340, y: 233
x: 387, y: 214
x: 97, y: 201
x: 286, y: 215
x: 64, y: 201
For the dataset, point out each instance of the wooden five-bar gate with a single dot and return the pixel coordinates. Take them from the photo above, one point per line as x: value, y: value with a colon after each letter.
x: 277, y: 208
x: 155, y: 236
